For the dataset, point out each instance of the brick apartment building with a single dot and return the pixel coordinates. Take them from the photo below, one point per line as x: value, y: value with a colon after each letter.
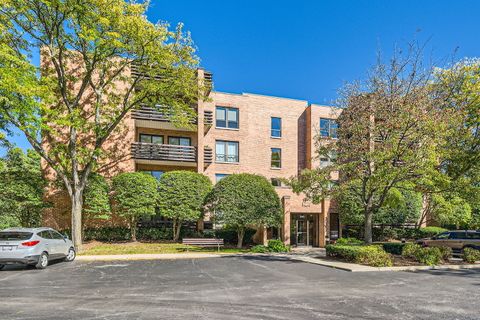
x: 235, y: 133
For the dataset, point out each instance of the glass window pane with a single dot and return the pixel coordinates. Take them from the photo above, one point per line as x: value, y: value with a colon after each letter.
x: 220, y: 151
x: 276, y: 158
x: 157, y: 174
x: 276, y: 127
x: 157, y: 139
x: 220, y: 176
x: 333, y: 129
x: 145, y: 138
x: 184, y: 141
x: 324, y: 127
x: 232, y: 152
x: 232, y: 118
x: 174, y: 140
x: 220, y: 117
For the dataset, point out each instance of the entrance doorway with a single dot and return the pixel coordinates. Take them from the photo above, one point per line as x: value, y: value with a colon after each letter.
x: 303, y: 231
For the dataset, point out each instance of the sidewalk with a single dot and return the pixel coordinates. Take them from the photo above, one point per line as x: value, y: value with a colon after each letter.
x: 361, y: 268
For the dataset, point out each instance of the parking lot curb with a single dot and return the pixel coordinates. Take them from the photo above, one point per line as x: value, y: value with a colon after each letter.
x: 351, y: 267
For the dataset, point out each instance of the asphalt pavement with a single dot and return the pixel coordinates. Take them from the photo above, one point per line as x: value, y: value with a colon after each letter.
x: 233, y: 288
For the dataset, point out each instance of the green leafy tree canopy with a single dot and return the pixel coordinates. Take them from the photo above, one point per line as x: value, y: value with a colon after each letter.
x: 241, y: 200
x: 182, y: 196
x: 135, y: 195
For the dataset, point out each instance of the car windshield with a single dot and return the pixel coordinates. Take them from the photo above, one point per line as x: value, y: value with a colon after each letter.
x: 15, y: 235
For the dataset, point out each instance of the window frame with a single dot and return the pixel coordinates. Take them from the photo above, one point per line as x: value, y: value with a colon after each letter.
x: 220, y: 176
x: 272, y: 160
x: 151, y: 137
x: 226, y: 155
x: 272, y: 129
x: 227, y: 127
x: 178, y: 137
x: 332, y: 131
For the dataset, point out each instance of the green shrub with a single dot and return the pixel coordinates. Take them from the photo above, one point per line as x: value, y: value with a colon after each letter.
x: 371, y: 255
x: 277, y: 246
x: 428, y: 232
x: 259, y: 249
x: 348, y: 241
x: 471, y: 255
x: 393, y: 247
x: 431, y: 256
x: 410, y: 250
x: 446, y: 253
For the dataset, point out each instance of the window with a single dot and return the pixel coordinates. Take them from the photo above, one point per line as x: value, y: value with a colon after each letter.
x: 276, y: 160
x: 328, y: 159
x: 45, y: 234
x: 226, y: 118
x: 276, y: 127
x: 276, y: 182
x: 150, y: 138
x: 179, y: 141
x: 15, y: 235
x: 457, y: 235
x: 56, y: 235
x: 155, y: 173
x: 226, y: 151
x: 220, y: 176
x: 442, y: 236
x: 328, y: 128
x: 473, y: 235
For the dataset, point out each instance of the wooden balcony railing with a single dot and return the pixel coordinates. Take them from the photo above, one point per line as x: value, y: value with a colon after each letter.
x: 164, y: 152
x: 157, y: 113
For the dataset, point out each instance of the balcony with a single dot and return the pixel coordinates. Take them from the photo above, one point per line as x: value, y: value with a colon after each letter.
x: 143, y: 71
x: 154, y: 153
x: 163, y: 114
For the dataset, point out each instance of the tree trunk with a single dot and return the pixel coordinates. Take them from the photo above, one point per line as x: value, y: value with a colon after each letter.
x: 240, y: 234
x: 177, y: 227
x: 77, y: 206
x: 368, y: 226
x: 133, y: 229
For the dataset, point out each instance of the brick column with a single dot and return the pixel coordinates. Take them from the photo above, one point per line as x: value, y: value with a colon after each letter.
x: 200, y: 129
x: 200, y: 225
x: 322, y: 223
x: 286, y: 220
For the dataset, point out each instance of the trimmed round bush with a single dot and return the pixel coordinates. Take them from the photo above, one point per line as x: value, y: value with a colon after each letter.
x: 410, y: 250
x: 371, y: 255
x: 431, y: 256
x: 471, y: 255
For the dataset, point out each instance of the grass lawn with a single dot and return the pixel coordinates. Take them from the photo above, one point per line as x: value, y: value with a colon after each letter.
x: 101, y: 248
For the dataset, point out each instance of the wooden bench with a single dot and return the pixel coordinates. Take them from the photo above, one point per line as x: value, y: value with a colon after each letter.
x: 203, y: 242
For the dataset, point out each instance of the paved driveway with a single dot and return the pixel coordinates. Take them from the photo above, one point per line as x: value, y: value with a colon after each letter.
x: 233, y: 288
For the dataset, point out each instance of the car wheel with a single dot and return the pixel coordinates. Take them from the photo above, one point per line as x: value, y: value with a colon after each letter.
x: 42, y: 261
x: 2, y: 266
x: 70, y: 255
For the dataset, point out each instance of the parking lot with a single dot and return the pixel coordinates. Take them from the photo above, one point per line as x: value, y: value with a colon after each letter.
x: 233, y: 288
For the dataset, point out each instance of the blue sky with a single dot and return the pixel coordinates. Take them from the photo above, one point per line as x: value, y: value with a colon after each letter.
x: 309, y: 49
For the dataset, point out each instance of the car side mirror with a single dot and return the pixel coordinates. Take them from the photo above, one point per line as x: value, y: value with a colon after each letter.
x: 65, y: 236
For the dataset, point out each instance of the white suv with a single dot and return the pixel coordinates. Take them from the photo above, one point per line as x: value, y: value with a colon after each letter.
x: 34, y: 246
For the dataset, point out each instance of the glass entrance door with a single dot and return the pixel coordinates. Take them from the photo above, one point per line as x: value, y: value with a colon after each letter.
x: 303, y: 229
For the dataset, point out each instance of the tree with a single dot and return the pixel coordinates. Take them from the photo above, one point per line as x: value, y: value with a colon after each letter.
x: 96, y: 199
x: 241, y: 200
x: 21, y: 189
x: 88, y: 49
x: 182, y: 196
x: 135, y: 195
x: 390, y: 132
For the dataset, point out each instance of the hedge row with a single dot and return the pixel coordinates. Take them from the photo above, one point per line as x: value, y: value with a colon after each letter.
x: 113, y: 234
x: 430, y: 256
x: 388, y: 233
x: 372, y: 255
